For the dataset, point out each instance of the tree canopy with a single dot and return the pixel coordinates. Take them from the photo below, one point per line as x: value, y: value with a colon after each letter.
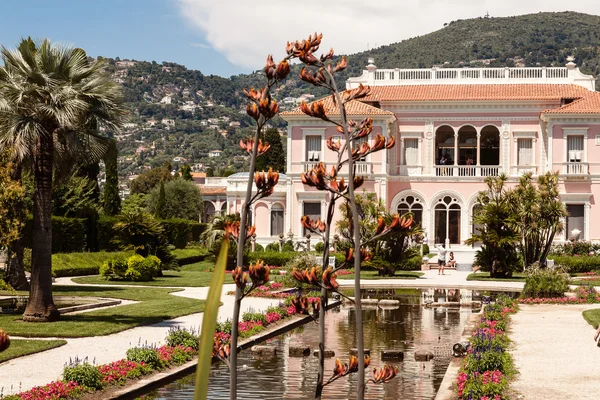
x: 179, y: 199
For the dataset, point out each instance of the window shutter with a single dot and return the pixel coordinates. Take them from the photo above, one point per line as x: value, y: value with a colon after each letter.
x: 524, y: 152
x: 411, y: 151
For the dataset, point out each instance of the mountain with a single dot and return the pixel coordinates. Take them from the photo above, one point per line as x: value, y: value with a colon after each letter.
x: 180, y: 114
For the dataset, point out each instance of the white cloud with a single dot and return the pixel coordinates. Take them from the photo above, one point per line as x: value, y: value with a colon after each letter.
x: 245, y: 31
x: 201, y: 45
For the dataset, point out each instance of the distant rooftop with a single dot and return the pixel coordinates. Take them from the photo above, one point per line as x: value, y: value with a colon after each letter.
x: 569, y: 74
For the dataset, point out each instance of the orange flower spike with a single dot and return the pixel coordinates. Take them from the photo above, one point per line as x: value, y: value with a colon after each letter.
x: 353, y: 365
x: 327, y: 56
x: 367, y: 361
x: 380, y: 226
x: 270, y: 67
x: 251, y: 231
x: 349, y: 254
x: 252, y: 111
x: 322, y: 226
x: 364, y: 148
x: 343, y: 185
x: 333, y: 172
x: 341, y: 65
x: 282, y: 71
x: 334, y: 185
x: 305, y: 221
x: 329, y: 279
x: 340, y: 129
x: 339, y: 368
x: 390, y: 143
x: 358, y: 181
x: 395, y: 222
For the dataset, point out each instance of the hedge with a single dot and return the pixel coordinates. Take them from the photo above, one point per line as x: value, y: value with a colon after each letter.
x: 68, y: 234
x: 279, y: 259
x: 106, y: 233
x: 85, y: 263
x: 180, y: 232
x: 577, y: 263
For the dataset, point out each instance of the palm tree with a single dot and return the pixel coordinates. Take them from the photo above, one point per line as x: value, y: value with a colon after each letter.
x: 53, y: 100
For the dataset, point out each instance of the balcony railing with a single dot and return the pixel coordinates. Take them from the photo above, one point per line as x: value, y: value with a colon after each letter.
x: 467, y: 170
x: 360, y: 167
x: 518, y: 170
x: 575, y: 168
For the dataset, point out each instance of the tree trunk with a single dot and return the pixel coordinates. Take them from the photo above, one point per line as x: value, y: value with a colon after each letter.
x: 15, y: 269
x: 40, y: 306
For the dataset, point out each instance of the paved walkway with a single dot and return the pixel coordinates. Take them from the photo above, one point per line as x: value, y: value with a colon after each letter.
x: 554, y: 353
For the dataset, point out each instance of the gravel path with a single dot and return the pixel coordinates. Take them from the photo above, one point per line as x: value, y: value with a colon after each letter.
x: 554, y: 353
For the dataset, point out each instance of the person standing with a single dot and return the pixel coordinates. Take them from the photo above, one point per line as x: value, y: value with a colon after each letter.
x: 441, y: 258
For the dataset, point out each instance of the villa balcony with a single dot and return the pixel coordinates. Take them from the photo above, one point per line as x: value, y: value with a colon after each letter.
x: 360, y: 167
x: 575, y: 170
x: 518, y: 170
x: 467, y: 170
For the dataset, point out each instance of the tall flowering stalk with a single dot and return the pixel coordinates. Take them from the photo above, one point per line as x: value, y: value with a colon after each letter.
x: 320, y: 72
x: 261, y: 108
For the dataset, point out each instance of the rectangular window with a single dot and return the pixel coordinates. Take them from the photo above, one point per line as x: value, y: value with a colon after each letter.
x: 276, y: 222
x: 575, y: 222
x: 313, y: 148
x: 313, y: 210
x: 411, y: 151
x: 524, y: 152
x: 574, y: 148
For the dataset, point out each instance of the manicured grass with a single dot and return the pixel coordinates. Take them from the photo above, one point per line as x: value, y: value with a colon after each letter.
x: 20, y: 348
x: 192, y: 275
x: 592, y: 317
x: 594, y: 282
x: 485, y: 276
x: 375, y: 275
x: 154, y: 305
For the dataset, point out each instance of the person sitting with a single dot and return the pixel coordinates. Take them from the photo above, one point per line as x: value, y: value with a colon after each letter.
x: 451, y: 262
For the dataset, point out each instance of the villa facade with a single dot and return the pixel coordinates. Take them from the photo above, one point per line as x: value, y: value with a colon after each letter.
x: 453, y: 127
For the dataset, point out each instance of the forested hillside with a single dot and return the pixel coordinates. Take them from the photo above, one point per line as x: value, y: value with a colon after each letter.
x: 181, y: 114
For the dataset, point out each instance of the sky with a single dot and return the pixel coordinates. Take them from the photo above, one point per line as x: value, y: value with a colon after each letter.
x: 229, y: 37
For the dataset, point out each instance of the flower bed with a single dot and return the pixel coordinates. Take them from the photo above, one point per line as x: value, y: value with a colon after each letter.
x: 488, y: 366
x: 87, y: 378
x: 583, y: 295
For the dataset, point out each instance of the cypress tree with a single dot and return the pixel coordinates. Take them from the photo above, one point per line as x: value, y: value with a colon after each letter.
x: 186, y: 172
x: 112, y: 200
x: 275, y: 156
x: 160, y: 204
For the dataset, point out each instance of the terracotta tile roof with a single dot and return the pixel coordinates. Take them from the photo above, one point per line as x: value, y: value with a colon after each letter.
x: 354, y: 107
x: 476, y: 92
x: 213, y: 190
x: 590, y: 104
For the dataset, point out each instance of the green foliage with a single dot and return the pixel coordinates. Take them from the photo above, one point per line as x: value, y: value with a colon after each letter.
x: 84, y: 374
x: 275, y: 156
x: 143, y: 234
x: 182, y: 337
x: 275, y: 258
x: 545, y: 283
x: 190, y: 255
x: 68, y: 234
x: 111, y: 198
x: 135, y: 203
x: 114, y: 267
x: 12, y: 212
x: 140, y: 269
x: 76, y: 197
x: 186, y: 172
x: 579, y: 248
x: 320, y: 247
x: 178, y: 231
x: 425, y: 249
x: 574, y: 264
x: 147, y: 181
x: 106, y: 233
x: 178, y: 199
x: 272, y: 247
x: 255, y: 317
x: 78, y: 264
x: 497, y: 234
x: 537, y: 214
x: 147, y: 355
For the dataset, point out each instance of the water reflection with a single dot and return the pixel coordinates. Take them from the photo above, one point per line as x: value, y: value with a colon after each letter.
x: 413, y: 325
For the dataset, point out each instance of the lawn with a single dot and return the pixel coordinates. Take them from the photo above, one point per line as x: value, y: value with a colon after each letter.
x: 593, y: 317
x: 154, y: 305
x: 375, y: 275
x: 485, y: 276
x: 20, y: 348
x: 191, y: 275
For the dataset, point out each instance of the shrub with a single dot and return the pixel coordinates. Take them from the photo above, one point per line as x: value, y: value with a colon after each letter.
x: 581, y: 248
x: 68, y: 234
x: 272, y: 247
x: 258, y: 248
x: 576, y: 263
x: 425, y: 249
x: 106, y: 233
x: 84, y: 374
x: 320, y: 247
x: 224, y: 326
x: 177, y: 231
x: 77, y: 264
x: 273, y: 258
x: 288, y: 246
x: 147, y: 355
x: 182, y: 337
x: 115, y: 267
x: 142, y: 269
x: 254, y: 317
x: 190, y: 255
x: 545, y: 283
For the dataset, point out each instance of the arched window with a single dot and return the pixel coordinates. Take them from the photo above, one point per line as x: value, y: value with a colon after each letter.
x: 411, y: 204
x: 447, y: 220
x: 209, y: 211
x: 276, y: 219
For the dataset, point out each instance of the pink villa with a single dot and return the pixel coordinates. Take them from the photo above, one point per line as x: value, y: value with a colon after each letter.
x: 453, y: 127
